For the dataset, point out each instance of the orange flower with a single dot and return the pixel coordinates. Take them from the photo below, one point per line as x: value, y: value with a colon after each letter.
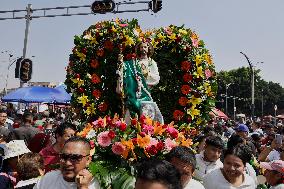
x: 183, y: 101
x: 103, y: 107
x: 185, y: 89
x: 96, y: 79
x: 143, y: 142
x: 186, y: 143
x: 178, y: 115
x: 97, y: 93
x: 185, y: 66
x: 108, y: 45
x: 85, y: 131
x: 94, y: 63
x: 158, y: 129
x: 129, y: 146
x: 100, y: 52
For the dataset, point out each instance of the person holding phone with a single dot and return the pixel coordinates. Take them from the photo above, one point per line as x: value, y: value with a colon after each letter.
x: 73, y: 173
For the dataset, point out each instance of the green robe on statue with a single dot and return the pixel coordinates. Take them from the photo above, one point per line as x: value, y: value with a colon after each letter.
x: 130, y: 88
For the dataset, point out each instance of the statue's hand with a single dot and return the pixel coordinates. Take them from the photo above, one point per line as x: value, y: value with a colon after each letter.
x: 120, y: 58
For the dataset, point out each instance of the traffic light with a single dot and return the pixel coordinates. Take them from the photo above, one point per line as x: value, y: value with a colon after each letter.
x: 103, y: 6
x: 26, y: 67
x: 157, y: 5
x: 17, y: 69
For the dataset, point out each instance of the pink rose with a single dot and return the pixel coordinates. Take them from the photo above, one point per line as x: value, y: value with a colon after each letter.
x: 208, y: 73
x: 169, y: 144
x: 195, y: 42
x: 103, y: 139
x: 153, y: 142
x: 148, y: 129
x: 173, y: 132
x: 117, y: 148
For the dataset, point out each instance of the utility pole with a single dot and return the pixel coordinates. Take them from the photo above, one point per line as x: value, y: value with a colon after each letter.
x: 28, y: 19
x: 226, y: 109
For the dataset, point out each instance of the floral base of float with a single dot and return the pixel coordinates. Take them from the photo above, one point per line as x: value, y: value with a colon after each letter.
x: 118, y: 147
x: 185, y: 94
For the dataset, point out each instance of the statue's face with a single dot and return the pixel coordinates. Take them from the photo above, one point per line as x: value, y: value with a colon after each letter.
x: 144, y: 48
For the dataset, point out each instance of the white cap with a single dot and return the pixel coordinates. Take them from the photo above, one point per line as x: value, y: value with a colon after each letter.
x: 15, y: 148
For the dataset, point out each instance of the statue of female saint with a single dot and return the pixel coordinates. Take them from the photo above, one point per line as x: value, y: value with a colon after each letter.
x: 136, y: 77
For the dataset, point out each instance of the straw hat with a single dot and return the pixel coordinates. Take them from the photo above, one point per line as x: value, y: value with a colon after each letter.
x: 15, y: 148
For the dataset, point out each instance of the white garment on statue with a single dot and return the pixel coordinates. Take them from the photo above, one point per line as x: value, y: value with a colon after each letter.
x: 279, y: 186
x: 194, y: 184
x: 54, y: 180
x: 216, y: 180
x: 273, y: 155
x: 153, y: 77
x: 203, y: 167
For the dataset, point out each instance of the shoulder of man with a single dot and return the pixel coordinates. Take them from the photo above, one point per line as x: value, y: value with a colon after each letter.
x: 48, y: 179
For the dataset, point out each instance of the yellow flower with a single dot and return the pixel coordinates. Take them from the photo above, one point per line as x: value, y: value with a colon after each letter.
x: 90, y: 109
x: 193, y: 112
x: 80, y: 82
x: 129, y: 41
x: 195, y: 101
x: 83, y: 99
x: 199, y: 121
x: 161, y: 37
x: 172, y: 37
x: 207, y: 88
x: 199, y: 72
x: 182, y: 31
x: 187, y: 143
x: 88, y: 36
x: 82, y: 56
x: 113, y: 29
x: 208, y: 58
x: 198, y: 60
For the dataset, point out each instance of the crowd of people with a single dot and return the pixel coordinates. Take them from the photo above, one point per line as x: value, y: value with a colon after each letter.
x: 42, y: 151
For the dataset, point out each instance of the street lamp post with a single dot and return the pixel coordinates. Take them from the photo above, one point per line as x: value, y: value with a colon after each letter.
x: 227, y: 86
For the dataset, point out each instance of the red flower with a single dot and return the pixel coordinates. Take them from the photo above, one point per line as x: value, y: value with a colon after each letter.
x: 134, y: 141
x: 142, y: 134
x: 160, y: 146
x: 111, y: 134
x: 103, y: 107
x: 84, y: 50
x: 173, y: 132
x: 78, y: 76
x: 130, y: 56
x: 100, y: 52
x: 94, y: 63
x: 187, y: 77
x: 142, y: 119
x: 96, y: 93
x: 185, y: 89
x: 92, y: 144
x: 123, y: 127
x: 152, y: 150
x: 185, y: 66
x: 96, y: 79
x: 133, y: 122
x: 183, y: 101
x: 81, y: 90
x: 108, y: 45
x: 178, y: 115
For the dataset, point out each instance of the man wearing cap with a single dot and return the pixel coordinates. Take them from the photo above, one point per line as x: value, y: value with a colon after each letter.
x: 243, y: 131
x: 274, y: 173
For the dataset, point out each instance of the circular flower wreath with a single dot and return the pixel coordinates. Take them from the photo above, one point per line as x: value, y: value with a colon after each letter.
x: 187, y: 88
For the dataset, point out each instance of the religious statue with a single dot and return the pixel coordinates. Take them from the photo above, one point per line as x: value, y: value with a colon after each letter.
x: 136, y: 77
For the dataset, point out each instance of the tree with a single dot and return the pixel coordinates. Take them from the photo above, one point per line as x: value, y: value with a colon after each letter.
x: 240, y: 79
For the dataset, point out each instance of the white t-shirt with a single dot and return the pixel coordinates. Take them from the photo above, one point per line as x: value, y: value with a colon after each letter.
x: 216, y: 180
x: 279, y: 186
x: 273, y: 155
x: 54, y: 180
x: 204, y: 167
x: 194, y: 184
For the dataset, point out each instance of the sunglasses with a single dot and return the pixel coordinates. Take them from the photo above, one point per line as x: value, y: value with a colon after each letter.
x: 74, y: 158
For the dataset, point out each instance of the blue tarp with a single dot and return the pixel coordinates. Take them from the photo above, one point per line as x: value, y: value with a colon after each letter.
x: 37, y: 94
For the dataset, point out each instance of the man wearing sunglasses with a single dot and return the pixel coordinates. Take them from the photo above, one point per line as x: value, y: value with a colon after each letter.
x: 73, y: 173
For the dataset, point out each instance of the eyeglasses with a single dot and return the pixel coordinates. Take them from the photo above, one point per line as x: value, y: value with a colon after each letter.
x: 74, y: 158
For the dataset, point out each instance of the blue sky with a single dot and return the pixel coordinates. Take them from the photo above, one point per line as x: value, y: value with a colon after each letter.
x: 227, y: 27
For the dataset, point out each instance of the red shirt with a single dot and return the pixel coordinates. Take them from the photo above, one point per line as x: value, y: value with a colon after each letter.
x: 51, y: 158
